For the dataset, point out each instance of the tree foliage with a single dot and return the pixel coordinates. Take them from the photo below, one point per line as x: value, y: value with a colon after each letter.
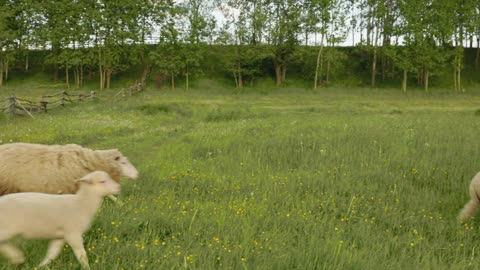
x: 398, y: 38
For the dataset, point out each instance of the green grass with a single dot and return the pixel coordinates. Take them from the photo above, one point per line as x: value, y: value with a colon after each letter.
x: 276, y: 179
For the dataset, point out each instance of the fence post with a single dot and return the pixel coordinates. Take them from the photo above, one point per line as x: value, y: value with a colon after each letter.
x: 44, y: 105
x: 11, y: 104
x: 62, y: 99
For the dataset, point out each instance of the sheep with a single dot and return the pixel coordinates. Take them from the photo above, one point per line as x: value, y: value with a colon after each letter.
x: 59, y: 218
x: 53, y: 169
x: 471, y: 207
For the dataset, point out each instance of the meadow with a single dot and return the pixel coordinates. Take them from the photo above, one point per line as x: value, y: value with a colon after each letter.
x: 275, y: 179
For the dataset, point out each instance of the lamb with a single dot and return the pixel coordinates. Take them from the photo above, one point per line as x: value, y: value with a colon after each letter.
x: 58, y: 218
x: 471, y: 207
x: 53, y: 169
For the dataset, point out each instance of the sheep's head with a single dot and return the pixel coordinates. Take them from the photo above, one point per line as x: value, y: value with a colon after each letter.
x: 101, y: 182
x: 115, y: 157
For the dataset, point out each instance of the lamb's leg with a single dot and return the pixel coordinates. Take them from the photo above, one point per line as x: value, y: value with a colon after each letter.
x: 76, y: 242
x: 54, y: 249
x: 12, y: 253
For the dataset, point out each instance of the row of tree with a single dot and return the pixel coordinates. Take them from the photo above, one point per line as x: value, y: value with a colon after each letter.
x: 400, y: 38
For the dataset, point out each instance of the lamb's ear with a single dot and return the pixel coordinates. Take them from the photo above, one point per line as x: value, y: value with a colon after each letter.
x: 87, y: 179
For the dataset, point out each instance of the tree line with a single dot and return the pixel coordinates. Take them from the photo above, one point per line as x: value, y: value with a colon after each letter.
x: 399, y: 38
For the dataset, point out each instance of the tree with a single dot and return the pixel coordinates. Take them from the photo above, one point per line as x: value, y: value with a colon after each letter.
x: 326, y: 17
x: 427, y: 34
x: 402, y: 56
x: 462, y: 23
x: 284, y: 18
x: 6, y: 38
x: 196, y: 32
x: 166, y: 56
x: 120, y: 29
x: 244, y: 33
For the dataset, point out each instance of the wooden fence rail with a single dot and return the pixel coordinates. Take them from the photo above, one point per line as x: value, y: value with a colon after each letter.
x: 15, y: 106
x: 132, y: 90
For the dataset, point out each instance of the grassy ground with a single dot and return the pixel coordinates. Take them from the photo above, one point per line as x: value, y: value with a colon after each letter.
x: 290, y: 179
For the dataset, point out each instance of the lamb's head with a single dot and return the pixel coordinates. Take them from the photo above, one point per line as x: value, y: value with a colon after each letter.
x: 118, y: 160
x: 100, y: 182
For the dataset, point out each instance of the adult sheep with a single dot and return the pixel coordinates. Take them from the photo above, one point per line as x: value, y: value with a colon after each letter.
x: 471, y: 207
x: 54, y: 169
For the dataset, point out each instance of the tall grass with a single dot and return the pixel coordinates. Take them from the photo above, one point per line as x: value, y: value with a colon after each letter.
x: 325, y: 180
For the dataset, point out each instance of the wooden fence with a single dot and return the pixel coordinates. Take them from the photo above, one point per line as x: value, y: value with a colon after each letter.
x: 15, y: 106
x: 132, y: 90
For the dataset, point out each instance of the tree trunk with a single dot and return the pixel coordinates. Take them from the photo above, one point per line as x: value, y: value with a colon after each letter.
x: 374, y: 67
x: 384, y: 67
x: 186, y: 79
x: 477, y: 58
x: 67, y: 78
x: 317, y: 67
x: 240, y: 79
x: 109, y: 76
x: 459, y: 75
x: 172, y: 77
x: 101, y: 73
x: 239, y: 76
x: 236, y: 78
x: 327, y: 78
x: 6, y: 70
x: 284, y: 73
x: 455, y: 85
x: 457, y: 69
x: 75, y: 75
x: 404, y: 81
x: 81, y: 75
x: 146, y: 69
x: 421, y: 75
x: 26, y: 63
x: 426, y: 74
x: 278, y: 74
x: 56, y: 74
x: 101, y: 69
x: 1, y: 73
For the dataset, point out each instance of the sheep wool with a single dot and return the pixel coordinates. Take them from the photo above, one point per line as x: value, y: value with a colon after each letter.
x: 471, y: 207
x: 59, y: 218
x: 26, y: 167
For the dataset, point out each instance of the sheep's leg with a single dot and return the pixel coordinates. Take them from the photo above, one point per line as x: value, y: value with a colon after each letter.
x: 12, y: 253
x: 76, y: 242
x: 54, y: 249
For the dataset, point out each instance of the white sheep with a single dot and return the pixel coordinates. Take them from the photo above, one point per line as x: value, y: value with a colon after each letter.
x: 27, y: 167
x: 471, y: 207
x: 58, y: 218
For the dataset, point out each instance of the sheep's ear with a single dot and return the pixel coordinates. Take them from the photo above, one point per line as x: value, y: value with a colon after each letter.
x: 112, y: 153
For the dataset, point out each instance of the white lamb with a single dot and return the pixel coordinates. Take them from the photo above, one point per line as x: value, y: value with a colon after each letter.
x: 58, y: 218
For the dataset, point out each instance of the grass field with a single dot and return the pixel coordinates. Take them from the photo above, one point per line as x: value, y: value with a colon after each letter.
x: 287, y: 179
